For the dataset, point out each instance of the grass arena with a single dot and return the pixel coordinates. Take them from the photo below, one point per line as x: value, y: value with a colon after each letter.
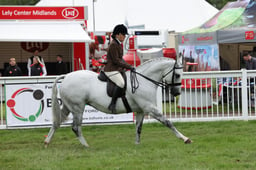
x: 216, y: 145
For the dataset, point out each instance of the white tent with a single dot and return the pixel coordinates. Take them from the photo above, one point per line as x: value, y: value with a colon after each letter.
x: 35, y: 31
x: 178, y: 15
x: 161, y: 14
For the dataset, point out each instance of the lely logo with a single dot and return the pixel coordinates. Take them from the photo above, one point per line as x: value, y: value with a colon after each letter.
x: 37, y: 95
x: 70, y: 13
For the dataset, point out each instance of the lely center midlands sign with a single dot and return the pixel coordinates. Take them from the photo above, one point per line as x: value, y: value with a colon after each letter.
x: 47, y: 13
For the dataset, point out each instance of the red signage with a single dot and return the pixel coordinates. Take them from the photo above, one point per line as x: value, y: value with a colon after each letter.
x: 45, y: 13
x: 32, y: 46
x: 249, y: 35
x: 207, y: 38
x: 183, y: 39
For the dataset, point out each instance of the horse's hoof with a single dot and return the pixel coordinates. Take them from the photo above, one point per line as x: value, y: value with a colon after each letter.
x: 86, y: 145
x: 46, y: 144
x: 188, y: 141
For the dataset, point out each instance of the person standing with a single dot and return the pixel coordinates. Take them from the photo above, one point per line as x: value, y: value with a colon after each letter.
x: 115, y: 64
x: 13, y: 69
x: 250, y: 62
x: 37, y: 68
x: 30, y: 60
x: 61, y: 67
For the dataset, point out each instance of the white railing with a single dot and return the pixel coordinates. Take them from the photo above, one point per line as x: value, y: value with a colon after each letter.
x: 213, y: 95
x: 206, y: 96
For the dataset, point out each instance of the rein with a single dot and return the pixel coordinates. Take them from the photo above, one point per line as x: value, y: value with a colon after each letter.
x: 135, y: 82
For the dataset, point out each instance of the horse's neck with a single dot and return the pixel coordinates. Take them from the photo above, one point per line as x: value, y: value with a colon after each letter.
x: 152, y: 71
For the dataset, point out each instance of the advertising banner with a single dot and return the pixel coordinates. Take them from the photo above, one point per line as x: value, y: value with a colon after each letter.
x: 45, y: 13
x: 206, y: 56
x: 30, y: 105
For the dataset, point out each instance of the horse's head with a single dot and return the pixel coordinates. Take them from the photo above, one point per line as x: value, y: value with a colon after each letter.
x: 173, y: 77
x: 161, y: 72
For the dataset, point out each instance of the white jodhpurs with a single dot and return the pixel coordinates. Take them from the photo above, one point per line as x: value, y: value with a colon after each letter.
x: 116, y: 77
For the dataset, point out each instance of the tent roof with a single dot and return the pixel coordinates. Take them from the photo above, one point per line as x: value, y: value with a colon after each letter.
x: 162, y: 14
x: 178, y: 15
x: 232, y: 15
x: 13, y: 31
x: 235, y: 23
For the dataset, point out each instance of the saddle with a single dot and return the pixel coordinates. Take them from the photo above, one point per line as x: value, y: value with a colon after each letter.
x: 111, y: 85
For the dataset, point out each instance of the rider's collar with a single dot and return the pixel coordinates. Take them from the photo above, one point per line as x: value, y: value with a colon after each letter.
x: 117, y: 40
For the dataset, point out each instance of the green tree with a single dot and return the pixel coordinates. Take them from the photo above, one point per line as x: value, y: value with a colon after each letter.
x: 218, y: 3
x: 18, y: 2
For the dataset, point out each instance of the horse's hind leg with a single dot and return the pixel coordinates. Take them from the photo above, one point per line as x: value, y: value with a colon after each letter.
x: 56, y: 125
x: 50, y: 135
x: 139, y: 122
x: 77, y: 129
x: 158, y: 116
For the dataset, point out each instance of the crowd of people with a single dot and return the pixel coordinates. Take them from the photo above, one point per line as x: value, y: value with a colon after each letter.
x: 35, y: 66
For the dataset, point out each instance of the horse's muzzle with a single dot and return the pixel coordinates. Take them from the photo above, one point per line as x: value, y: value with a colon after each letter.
x: 176, y: 94
x: 175, y: 91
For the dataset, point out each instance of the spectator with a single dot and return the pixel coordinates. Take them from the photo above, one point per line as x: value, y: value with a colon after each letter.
x: 37, y: 68
x: 13, y: 69
x: 250, y: 62
x: 61, y: 67
x: 93, y: 46
x: 224, y: 64
x: 30, y: 61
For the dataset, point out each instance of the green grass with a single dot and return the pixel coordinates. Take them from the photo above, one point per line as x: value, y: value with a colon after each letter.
x: 216, y: 145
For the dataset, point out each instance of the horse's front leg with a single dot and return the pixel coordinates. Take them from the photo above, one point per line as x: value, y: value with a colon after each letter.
x: 154, y: 112
x: 139, y: 122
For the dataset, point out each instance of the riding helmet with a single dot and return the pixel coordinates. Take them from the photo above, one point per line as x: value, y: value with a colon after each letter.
x: 120, y: 29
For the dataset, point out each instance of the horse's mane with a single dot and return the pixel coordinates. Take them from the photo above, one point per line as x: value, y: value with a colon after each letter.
x: 149, y: 62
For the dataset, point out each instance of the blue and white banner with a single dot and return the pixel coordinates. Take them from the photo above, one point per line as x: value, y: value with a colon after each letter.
x: 30, y: 105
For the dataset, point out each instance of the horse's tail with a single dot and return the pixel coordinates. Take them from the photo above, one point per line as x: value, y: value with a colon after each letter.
x: 56, y: 111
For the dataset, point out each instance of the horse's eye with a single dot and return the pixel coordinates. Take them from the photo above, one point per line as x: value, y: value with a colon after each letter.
x: 177, y: 76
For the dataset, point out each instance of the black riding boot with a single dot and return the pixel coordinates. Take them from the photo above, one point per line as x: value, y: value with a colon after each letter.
x: 112, y: 107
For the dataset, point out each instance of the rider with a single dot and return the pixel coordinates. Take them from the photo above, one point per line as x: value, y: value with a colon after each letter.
x: 115, y: 63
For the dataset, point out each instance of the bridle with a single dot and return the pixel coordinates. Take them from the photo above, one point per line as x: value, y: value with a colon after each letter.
x: 172, y: 84
x: 135, y: 82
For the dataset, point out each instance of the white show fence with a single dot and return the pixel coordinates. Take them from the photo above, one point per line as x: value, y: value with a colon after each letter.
x: 214, y: 95
x: 206, y: 96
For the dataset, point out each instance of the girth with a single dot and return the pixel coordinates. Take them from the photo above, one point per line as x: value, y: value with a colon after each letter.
x: 110, y: 87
